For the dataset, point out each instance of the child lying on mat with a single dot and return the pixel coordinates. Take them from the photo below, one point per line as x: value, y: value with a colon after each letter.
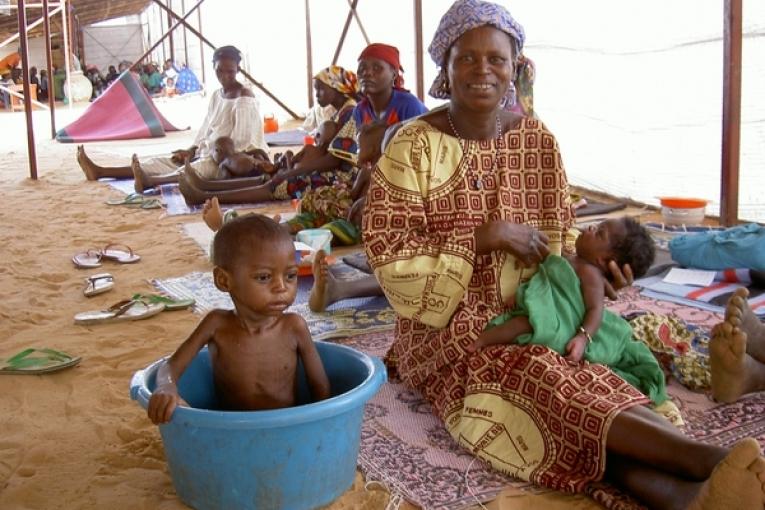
x: 232, y: 164
x: 324, y: 135
x: 561, y: 307
x: 254, y: 348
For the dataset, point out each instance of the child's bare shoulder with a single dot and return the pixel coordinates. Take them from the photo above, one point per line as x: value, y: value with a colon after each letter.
x: 219, y: 317
x: 294, y: 322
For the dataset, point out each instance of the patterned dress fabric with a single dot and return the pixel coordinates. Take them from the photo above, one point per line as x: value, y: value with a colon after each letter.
x: 521, y: 408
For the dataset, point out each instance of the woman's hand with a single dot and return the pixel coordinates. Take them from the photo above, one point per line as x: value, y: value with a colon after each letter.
x: 622, y: 277
x: 528, y: 245
x: 179, y: 157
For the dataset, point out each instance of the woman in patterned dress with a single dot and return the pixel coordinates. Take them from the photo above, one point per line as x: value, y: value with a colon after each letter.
x: 462, y: 206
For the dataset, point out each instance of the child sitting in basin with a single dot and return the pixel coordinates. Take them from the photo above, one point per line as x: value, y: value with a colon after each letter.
x: 232, y: 164
x: 561, y: 307
x: 255, y: 348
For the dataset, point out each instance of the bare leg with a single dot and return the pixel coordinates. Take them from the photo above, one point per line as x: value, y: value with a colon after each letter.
x: 738, y: 314
x: 220, y: 184
x: 194, y: 195
x: 503, y: 334
x: 212, y: 214
x: 94, y: 172
x: 144, y: 180
x: 327, y: 289
x: 646, y: 448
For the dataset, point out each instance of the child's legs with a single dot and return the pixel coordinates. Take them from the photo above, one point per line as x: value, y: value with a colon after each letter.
x: 639, y: 434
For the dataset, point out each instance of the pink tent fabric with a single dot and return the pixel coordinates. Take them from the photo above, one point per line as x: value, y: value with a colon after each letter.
x: 123, y: 112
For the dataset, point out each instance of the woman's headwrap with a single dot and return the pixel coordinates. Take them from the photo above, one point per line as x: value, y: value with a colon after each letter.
x: 230, y: 52
x: 340, y: 79
x: 462, y: 16
x: 387, y: 54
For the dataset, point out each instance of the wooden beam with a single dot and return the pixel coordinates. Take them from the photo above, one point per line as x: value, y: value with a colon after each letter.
x: 358, y: 22
x: 419, y: 49
x: 309, y: 52
x: 49, y: 66
x: 345, y: 32
x: 22, y: 17
x: 731, y: 117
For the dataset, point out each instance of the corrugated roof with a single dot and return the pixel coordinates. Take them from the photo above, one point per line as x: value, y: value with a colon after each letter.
x: 86, y: 11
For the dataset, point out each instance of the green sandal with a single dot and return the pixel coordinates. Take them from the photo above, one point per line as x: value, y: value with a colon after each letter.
x: 49, y: 360
x: 171, y: 304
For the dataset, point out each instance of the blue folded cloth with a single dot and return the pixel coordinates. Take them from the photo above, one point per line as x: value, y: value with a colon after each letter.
x: 742, y: 246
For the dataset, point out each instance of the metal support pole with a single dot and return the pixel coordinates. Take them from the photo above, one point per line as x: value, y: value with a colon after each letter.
x: 170, y: 37
x: 731, y: 117
x: 358, y: 22
x: 245, y: 73
x: 201, y: 47
x: 22, y: 17
x: 345, y: 32
x: 170, y: 30
x: 67, y: 55
x: 49, y: 64
x: 185, y: 36
x: 309, y: 52
x: 418, y: 49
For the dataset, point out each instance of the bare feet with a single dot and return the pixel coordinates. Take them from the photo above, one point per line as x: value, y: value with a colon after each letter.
x: 139, y: 175
x: 192, y: 195
x: 736, y: 482
x: 90, y: 168
x: 322, y: 292
x: 212, y: 214
x: 739, y: 314
x: 734, y: 371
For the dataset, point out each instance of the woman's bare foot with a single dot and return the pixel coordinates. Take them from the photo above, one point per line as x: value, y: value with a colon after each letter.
x: 212, y: 214
x: 192, y: 176
x: 90, y: 168
x: 322, y: 292
x: 737, y: 481
x: 738, y: 313
x: 139, y: 175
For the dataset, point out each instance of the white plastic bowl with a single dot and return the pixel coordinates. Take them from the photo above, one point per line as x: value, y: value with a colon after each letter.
x: 682, y: 215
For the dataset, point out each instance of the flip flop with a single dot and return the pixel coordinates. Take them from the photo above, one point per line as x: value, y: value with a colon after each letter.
x: 88, y: 259
x: 47, y: 361
x: 113, y: 251
x: 131, y: 200
x: 127, y: 310
x: 151, y: 203
x: 171, y: 304
x: 98, y: 284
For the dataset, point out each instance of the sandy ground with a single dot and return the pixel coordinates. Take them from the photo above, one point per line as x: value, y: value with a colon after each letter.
x: 74, y: 439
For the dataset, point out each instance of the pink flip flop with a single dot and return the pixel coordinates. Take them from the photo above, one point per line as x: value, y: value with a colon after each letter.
x: 87, y: 259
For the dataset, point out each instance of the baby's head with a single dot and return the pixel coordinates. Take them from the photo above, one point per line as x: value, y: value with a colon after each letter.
x: 370, y: 140
x: 623, y: 240
x: 326, y: 132
x: 254, y: 261
x: 223, y: 147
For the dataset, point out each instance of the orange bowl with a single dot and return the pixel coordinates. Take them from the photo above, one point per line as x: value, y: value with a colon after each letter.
x: 683, y: 203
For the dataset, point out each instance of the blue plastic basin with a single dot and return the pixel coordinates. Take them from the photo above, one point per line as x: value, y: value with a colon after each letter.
x: 295, y: 458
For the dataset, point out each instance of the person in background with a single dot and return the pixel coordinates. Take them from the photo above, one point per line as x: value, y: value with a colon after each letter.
x: 43, y: 91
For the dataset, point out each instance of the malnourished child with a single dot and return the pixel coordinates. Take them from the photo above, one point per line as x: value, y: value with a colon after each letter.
x: 255, y: 348
x: 561, y: 307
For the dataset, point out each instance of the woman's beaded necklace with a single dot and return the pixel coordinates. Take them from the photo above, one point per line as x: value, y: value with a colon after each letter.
x: 477, y: 180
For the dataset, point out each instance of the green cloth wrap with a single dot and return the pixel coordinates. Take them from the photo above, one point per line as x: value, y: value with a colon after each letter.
x: 553, y: 302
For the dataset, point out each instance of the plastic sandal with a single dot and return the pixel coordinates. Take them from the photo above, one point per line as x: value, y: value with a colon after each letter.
x: 151, y: 203
x: 171, y: 304
x: 98, y: 284
x: 127, y: 310
x: 88, y: 259
x: 48, y: 360
x: 131, y: 200
x: 113, y: 251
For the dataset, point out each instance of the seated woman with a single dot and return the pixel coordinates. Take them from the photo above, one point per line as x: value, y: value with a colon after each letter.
x: 463, y: 205
x: 333, y: 86
x: 233, y: 112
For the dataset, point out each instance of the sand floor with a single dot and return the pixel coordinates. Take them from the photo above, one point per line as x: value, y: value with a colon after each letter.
x: 74, y: 439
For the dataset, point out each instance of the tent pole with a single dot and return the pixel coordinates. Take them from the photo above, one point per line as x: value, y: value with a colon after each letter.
x: 49, y: 64
x: 22, y: 17
x: 731, y: 117
x: 345, y: 32
x: 418, y: 49
x: 309, y: 52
